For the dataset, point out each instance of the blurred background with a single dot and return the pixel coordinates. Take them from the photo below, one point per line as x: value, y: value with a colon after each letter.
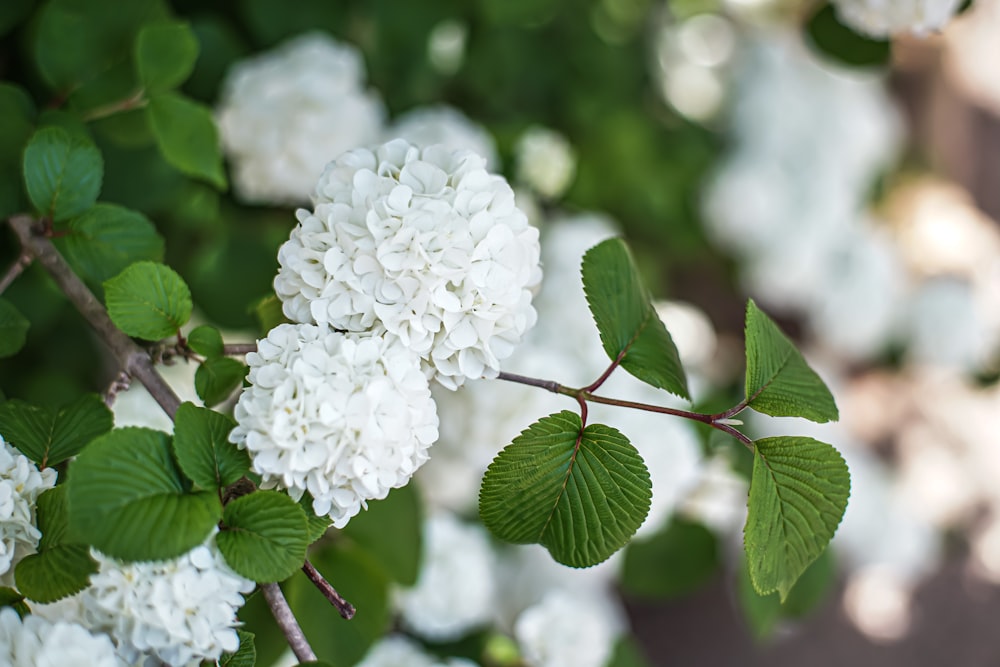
x: 846, y: 177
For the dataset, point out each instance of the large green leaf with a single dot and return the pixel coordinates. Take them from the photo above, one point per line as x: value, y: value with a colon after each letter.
x: 107, y: 238
x: 265, y: 536
x: 779, y: 382
x: 217, y: 378
x: 49, y: 437
x: 13, y: 329
x: 187, y: 137
x: 798, y: 494
x: 61, y: 567
x: 165, y: 53
x: 148, y: 300
x: 203, y: 450
x: 630, y: 329
x: 128, y: 499
x: 390, y: 530
x: 673, y: 562
x: 581, y: 493
x: 62, y: 173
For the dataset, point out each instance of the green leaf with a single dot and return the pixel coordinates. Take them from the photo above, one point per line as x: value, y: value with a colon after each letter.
x: 11, y: 598
x: 627, y: 654
x: 267, y: 311
x: 13, y: 12
x: 675, y: 561
x: 630, y: 329
x: 18, y: 113
x: 246, y: 654
x: 763, y: 612
x: 217, y: 378
x: 265, y: 536
x: 798, y: 494
x: 581, y: 493
x: 845, y: 46
x: 61, y: 567
x: 48, y: 437
x: 779, y: 382
x: 102, y: 242
x: 125, y: 490
x: 148, y: 300
x: 187, y: 137
x: 390, y: 530
x: 62, y: 173
x: 203, y: 450
x: 165, y: 53
x: 206, y: 341
x: 317, y: 525
x: 13, y: 329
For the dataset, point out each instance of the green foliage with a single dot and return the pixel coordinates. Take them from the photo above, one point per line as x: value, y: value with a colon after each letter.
x: 61, y: 567
x: 148, y: 300
x: 764, y: 612
x: 673, y: 562
x: 202, y: 447
x: 11, y: 598
x: 48, y: 437
x: 842, y: 44
x: 217, y: 378
x: 627, y: 654
x: 13, y: 329
x: 390, y: 531
x: 18, y: 112
x: 580, y: 492
x: 630, y: 329
x: 187, y: 137
x: 62, y: 173
x: 165, y: 54
x: 264, y: 537
x: 779, y: 382
x: 317, y: 525
x: 206, y: 341
x: 246, y: 654
x: 125, y: 488
x: 798, y: 495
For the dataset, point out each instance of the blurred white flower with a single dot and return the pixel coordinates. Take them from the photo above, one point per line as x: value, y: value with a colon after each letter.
x: 20, y: 485
x: 883, y: 18
x: 37, y: 642
x: 446, y: 45
x: 286, y: 113
x: 545, y: 161
x: 455, y: 590
x: 346, y: 417
x: 426, y: 126
x: 399, y: 651
x: 427, y: 244
x: 566, y: 630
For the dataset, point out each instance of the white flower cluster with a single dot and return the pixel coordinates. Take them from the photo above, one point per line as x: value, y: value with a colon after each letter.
x: 20, y: 485
x: 424, y: 243
x: 37, y: 642
x: 566, y: 630
x: 455, y: 591
x: 882, y: 18
x: 398, y: 651
x: 346, y: 417
x: 284, y: 114
x: 545, y: 162
x: 447, y: 126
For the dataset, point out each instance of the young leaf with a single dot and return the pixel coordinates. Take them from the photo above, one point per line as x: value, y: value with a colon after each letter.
x: 13, y: 329
x: 673, y: 562
x: 203, y: 450
x: 630, y: 329
x: 317, y: 525
x: 62, y: 173
x: 165, y: 53
x: 61, y: 567
x: 148, y: 300
x: 265, y: 536
x: 581, y: 493
x: 106, y: 239
x: 798, y: 494
x: 217, y: 378
x: 206, y: 341
x: 779, y: 382
x: 391, y: 532
x: 48, y: 437
x: 187, y: 137
x: 246, y: 654
x: 128, y: 499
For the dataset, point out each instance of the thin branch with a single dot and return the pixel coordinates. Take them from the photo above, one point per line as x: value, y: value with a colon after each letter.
x: 16, y: 269
x: 345, y: 608
x: 548, y: 385
x: 238, y: 349
x: 596, y: 384
x: 286, y: 621
x: 136, y: 101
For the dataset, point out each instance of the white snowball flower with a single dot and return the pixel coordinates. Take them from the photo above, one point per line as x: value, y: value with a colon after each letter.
x: 20, y: 485
x: 346, y: 417
x: 882, y: 18
x: 398, y: 651
x: 37, y: 642
x: 284, y: 114
x: 423, y: 242
x: 426, y: 126
x: 455, y: 591
x: 545, y: 161
x: 566, y: 630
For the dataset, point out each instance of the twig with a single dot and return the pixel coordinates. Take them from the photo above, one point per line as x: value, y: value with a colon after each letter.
x: 16, y: 269
x: 237, y: 349
x: 286, y: 621
x: 345, y: 608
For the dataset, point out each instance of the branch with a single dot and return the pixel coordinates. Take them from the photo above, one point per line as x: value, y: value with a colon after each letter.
x: 238, y: 349
x: 16, y: 269
x: 345, y: 608
x: 286, y: 621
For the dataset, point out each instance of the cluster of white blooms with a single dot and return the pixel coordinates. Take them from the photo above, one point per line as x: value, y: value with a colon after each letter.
x: 37, y: 642
x: 447, y: 126
x: 20, y: 485
x: 398, y: 651
x: 545, y: 162
x: 284, y: 114
x: 566, y: 630
x: 346, y: 417
x: 882, y: 18
x: 455, y: 591
x: 424, y: 243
